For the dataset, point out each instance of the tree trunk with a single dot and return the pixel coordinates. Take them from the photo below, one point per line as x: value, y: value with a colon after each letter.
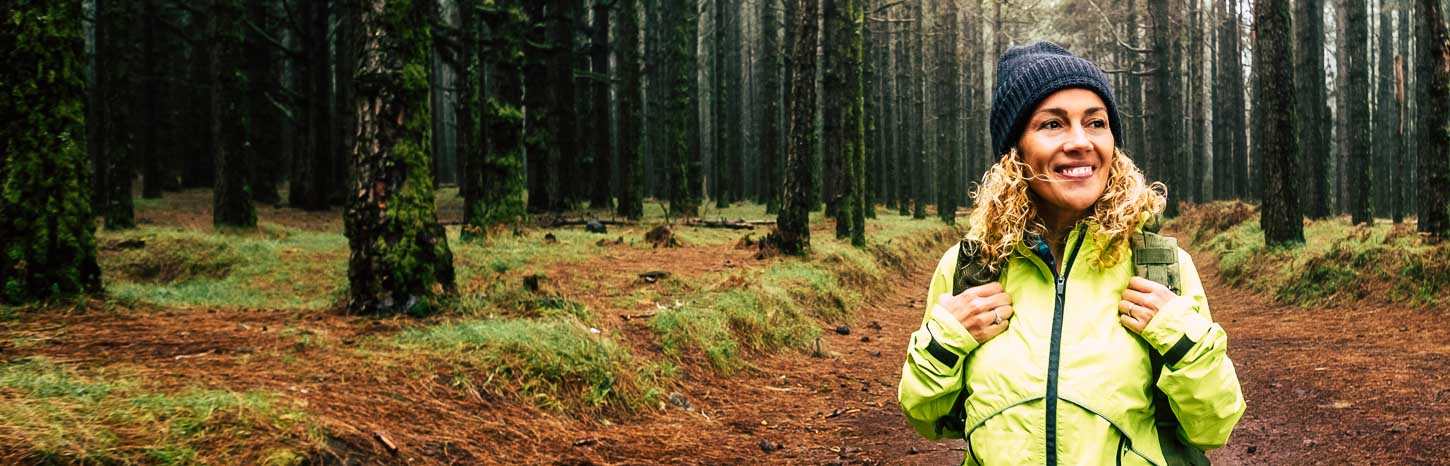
x: 151, y: 117
x: 1433, y: 74
x: 400, y: 259
x: 602, y: 195
x: 679, y: 71
x: 502, y: 180
x: 1280, y: 215
x: 47, y: 233
x: 793, y: 224
x: 115, y: 95
x: 315, y: 156
x: 264, y: 120
x: 1357, y: 114
x: 231, y: 196
x: 1386, y: 123
x: 1313, y: 113
x: 770, y: 121
x: 631, y: 163
x: 564, y: 153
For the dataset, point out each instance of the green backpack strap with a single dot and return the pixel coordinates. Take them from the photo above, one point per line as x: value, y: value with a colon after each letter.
x: 969, y: 272
x: 1155, y: 257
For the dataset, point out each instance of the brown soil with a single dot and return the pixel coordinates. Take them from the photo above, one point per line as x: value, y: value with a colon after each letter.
x: 1348, y: 384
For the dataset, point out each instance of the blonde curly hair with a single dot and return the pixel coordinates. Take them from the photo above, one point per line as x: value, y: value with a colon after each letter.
x: 1006, y: 210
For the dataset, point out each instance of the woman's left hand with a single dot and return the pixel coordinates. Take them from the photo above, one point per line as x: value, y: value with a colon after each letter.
x: 1141, y: 301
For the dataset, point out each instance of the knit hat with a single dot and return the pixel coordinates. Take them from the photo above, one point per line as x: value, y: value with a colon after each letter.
x: 1028, y: 74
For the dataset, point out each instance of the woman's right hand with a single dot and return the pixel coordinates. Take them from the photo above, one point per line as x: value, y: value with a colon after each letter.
x: 983, y: 310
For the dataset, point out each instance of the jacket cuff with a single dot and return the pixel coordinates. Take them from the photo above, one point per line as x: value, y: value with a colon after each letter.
x: 949, y: 332
x: 1175, y: 325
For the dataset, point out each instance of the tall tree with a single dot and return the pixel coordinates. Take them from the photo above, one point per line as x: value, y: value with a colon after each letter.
x: 844, y: 115
x: 1357, y: 114
x: 563, y: 118
x: 1432, y: 69
x: 311, y: 181
x: 679, y: 71
x: 1280, y: 216
x: 47, y: 233
x: 920, y: 178
x: 1163, y: 95
x: 114, y: 94
x: 793, y: 234
x: 602, y: 196
x: 770, y: 121
x: 502, y: 181
x: 400, y: 259
x: 631, y: 163
x: 541, y: 102
x: 948, y: 145
x: 231, y: 196
x: 1313, y: 113
x: 1386, y: 145
x: 263, y: 82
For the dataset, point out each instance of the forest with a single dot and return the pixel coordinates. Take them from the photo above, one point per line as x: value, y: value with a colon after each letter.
x: 643, y: 231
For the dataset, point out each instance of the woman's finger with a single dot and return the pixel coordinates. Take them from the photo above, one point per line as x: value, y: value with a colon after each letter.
x: 1136, y: 297
x: 1144, y: 285
x: 1006, y: 312
x: 1125, y: 307
x: 984, y: 290
x: 1132, y: 323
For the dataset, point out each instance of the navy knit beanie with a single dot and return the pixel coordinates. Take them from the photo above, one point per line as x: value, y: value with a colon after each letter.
x: 1028, y: 74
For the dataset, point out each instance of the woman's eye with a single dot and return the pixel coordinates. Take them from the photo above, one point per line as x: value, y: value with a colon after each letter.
x: 1097, y: 124
x: 1051, y: 124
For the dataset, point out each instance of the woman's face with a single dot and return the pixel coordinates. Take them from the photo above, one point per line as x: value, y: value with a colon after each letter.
x: 1068, y: 142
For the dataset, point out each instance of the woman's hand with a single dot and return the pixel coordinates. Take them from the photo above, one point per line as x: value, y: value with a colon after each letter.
x: 1141, y: 301
x: 983, y: 310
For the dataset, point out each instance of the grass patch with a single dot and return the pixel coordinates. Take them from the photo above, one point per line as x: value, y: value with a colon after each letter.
x: 1338, y: 263
x: 52, y: 414
x: 784, y: 305
x: 558, y: 364
x: 272, y: 267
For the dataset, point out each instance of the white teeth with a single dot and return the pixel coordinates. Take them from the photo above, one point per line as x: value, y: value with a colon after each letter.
x: 1078, y: 171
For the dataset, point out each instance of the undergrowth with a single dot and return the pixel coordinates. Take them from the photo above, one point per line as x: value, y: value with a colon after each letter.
x: 1338, y: 263
x: 51, y: 414
x: 556, y: 364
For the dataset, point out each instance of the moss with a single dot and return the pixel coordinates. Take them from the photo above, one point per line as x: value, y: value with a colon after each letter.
x: 46, y: 225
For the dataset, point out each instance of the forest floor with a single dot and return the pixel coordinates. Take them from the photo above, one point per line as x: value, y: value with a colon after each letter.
x: 1363, y: 384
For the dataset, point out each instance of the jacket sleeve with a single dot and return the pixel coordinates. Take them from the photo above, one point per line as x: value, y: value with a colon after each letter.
x: 1197, y: 376
x: 932, y: 374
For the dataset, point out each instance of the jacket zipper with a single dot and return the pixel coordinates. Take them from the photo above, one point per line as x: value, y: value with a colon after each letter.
x: 1054, y: 355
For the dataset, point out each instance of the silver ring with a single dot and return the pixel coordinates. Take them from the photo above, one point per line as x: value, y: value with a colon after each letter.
x: 1131, y: 307
x: 998, y: 317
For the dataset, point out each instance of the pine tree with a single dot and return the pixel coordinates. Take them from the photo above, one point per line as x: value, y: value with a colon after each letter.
x: 1280, y: 215
x: 1357, y: 114
x: 631, y: 163
x: 1313, y: 112
x: 47, y: 236
x: 400, y: 258
x: 793, y: 234
x: 502, y: 181
x: 1433, y: 45
x: 231, y: 196
x: 602, y: 196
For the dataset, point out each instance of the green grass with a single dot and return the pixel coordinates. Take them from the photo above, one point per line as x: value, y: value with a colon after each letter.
x: 784, y: 305
x: 273, y: 267
x: 1338, y: 263
x: 557, y: 364
x: 50, y: 413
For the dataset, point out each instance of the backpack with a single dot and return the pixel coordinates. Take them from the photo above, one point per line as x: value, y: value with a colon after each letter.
x: 1155, y: 257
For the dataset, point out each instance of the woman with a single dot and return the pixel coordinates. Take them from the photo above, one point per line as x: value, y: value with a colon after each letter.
x: 1058, y: 359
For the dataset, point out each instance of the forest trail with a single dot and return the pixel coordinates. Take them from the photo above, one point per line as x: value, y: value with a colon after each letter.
x: 1363, y: 383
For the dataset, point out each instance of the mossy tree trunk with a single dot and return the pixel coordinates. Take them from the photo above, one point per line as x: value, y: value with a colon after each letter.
x: 400, y: 258
x: 631, y: 163
x: 844, y: 115
x: 1281, y: 218
x: 46, y: 229
x: 499, y: 175
x: 793, y: 234
x: 679, y: 71
x: 231, y: 196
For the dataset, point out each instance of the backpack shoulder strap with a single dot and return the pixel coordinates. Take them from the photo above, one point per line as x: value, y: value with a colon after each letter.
x: 1155, y: 257
x: 969, y: 272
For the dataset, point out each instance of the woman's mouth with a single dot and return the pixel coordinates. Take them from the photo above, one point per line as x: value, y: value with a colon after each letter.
x: 1080, y: 172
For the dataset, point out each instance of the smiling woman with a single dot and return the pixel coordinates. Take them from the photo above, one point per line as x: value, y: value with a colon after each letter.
x: 1131, y: 370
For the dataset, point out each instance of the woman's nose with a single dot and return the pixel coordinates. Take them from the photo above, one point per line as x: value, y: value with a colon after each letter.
x: 1077, y: 139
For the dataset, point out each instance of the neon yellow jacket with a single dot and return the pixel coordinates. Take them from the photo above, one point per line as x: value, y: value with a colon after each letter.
x: 1084, y: 398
